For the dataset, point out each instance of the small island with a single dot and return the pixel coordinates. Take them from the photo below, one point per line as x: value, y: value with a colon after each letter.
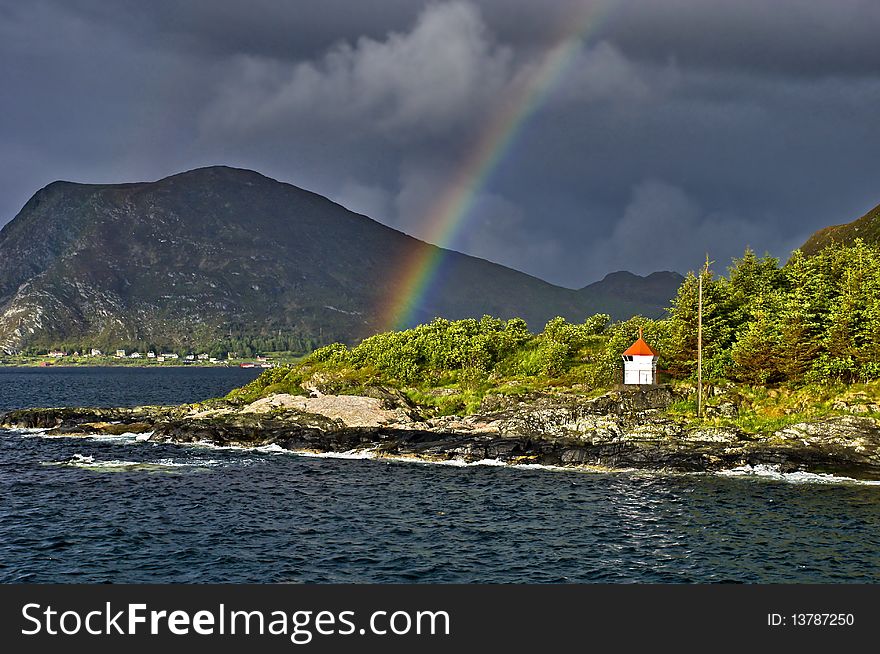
x: 789, y: 367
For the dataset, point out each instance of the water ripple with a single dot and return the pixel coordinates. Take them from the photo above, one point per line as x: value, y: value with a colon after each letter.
x: 187, y: 514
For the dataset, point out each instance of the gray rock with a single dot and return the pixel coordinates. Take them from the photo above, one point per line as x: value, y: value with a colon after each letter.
x: 622, y: 429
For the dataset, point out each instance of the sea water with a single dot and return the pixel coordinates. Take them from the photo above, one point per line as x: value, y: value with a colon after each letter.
x: 123, y: 509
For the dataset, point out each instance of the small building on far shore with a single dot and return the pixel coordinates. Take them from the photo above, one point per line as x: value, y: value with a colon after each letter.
x: 640, y: 363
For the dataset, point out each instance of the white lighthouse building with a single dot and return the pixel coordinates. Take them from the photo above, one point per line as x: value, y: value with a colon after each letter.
x: 640, y: 363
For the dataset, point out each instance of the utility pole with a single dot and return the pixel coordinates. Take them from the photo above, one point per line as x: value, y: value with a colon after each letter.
x: 700, y: 347
x: 703, y: 272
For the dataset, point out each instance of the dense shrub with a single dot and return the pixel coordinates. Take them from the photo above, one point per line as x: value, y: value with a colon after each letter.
x: 816, y: 319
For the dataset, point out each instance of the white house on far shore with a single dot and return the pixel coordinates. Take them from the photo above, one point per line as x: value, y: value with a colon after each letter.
x: 640, y: 363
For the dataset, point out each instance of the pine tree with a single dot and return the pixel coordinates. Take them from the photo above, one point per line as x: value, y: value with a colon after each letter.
x: 801, y: 317
x: 751, y: 278
x: 756, y: 354
x: 718, y: 327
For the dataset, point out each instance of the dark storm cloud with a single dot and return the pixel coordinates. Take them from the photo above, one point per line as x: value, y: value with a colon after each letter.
x: 682, y: 126
x: 810, y: 38
x: 795, y: 36
x: 282, y: 29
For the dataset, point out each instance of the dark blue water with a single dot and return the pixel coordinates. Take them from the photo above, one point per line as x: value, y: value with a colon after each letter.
x: 115, y: 509
x: 22, y: 388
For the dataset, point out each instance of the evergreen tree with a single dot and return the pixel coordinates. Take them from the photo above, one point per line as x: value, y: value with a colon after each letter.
x: 851, y: 340
x: 801, y: 317
x: 718, y: 330
x: 751, y: 278
x: 756, y: 355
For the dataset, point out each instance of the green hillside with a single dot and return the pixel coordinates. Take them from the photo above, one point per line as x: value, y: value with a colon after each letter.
x: 866, y: 228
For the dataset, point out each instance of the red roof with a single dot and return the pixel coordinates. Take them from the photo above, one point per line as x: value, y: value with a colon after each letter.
x: 640, y: 348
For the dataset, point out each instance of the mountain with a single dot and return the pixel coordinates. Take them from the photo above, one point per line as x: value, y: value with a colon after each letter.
x: 220, y: 253
x: 867, y: 228
x: 623, y: 294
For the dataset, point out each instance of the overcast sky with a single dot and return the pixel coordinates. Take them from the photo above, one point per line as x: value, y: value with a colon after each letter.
x: 680, y: 127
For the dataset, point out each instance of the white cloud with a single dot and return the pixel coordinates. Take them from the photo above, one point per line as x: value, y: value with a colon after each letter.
x: 429, y: 79
x: 443, y: 77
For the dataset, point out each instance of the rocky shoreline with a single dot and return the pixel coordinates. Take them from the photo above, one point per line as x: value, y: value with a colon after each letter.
x: 623, y: 429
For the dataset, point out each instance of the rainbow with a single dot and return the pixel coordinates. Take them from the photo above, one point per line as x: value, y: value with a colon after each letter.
x: 446, y: 217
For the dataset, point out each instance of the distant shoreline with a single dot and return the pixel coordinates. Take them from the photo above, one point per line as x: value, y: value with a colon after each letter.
x: 118, y: 365
x: 124, y: 364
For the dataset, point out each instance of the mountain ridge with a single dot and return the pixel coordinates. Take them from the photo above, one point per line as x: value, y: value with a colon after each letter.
x: 220, y: 252
x: 866, y: 227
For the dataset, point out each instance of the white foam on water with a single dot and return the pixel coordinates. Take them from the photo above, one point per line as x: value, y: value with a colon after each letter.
x: 374, y: 454
x: 541, y: 466
x: 481, y: 462
x: 201, y: 463
x: 455, y: 463
x: 89, y: 462
x: 126, y: 437
x: 272, y: 448
x: 773, y: 473
x: 461, y: 463
x: 354, y: 455
x: 760, y: 471
x: 28, y: 431
x: 497, y: 463
x: 766, y: 472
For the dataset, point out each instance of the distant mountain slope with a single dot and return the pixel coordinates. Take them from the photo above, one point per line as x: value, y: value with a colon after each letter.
x: 867, y: 228
x: 219, y: 252
x: 623, y: 294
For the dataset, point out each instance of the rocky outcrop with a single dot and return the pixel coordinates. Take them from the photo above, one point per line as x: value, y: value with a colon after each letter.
x: 351, y: 410
x: 621, y: 429
x: 68, y: 420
